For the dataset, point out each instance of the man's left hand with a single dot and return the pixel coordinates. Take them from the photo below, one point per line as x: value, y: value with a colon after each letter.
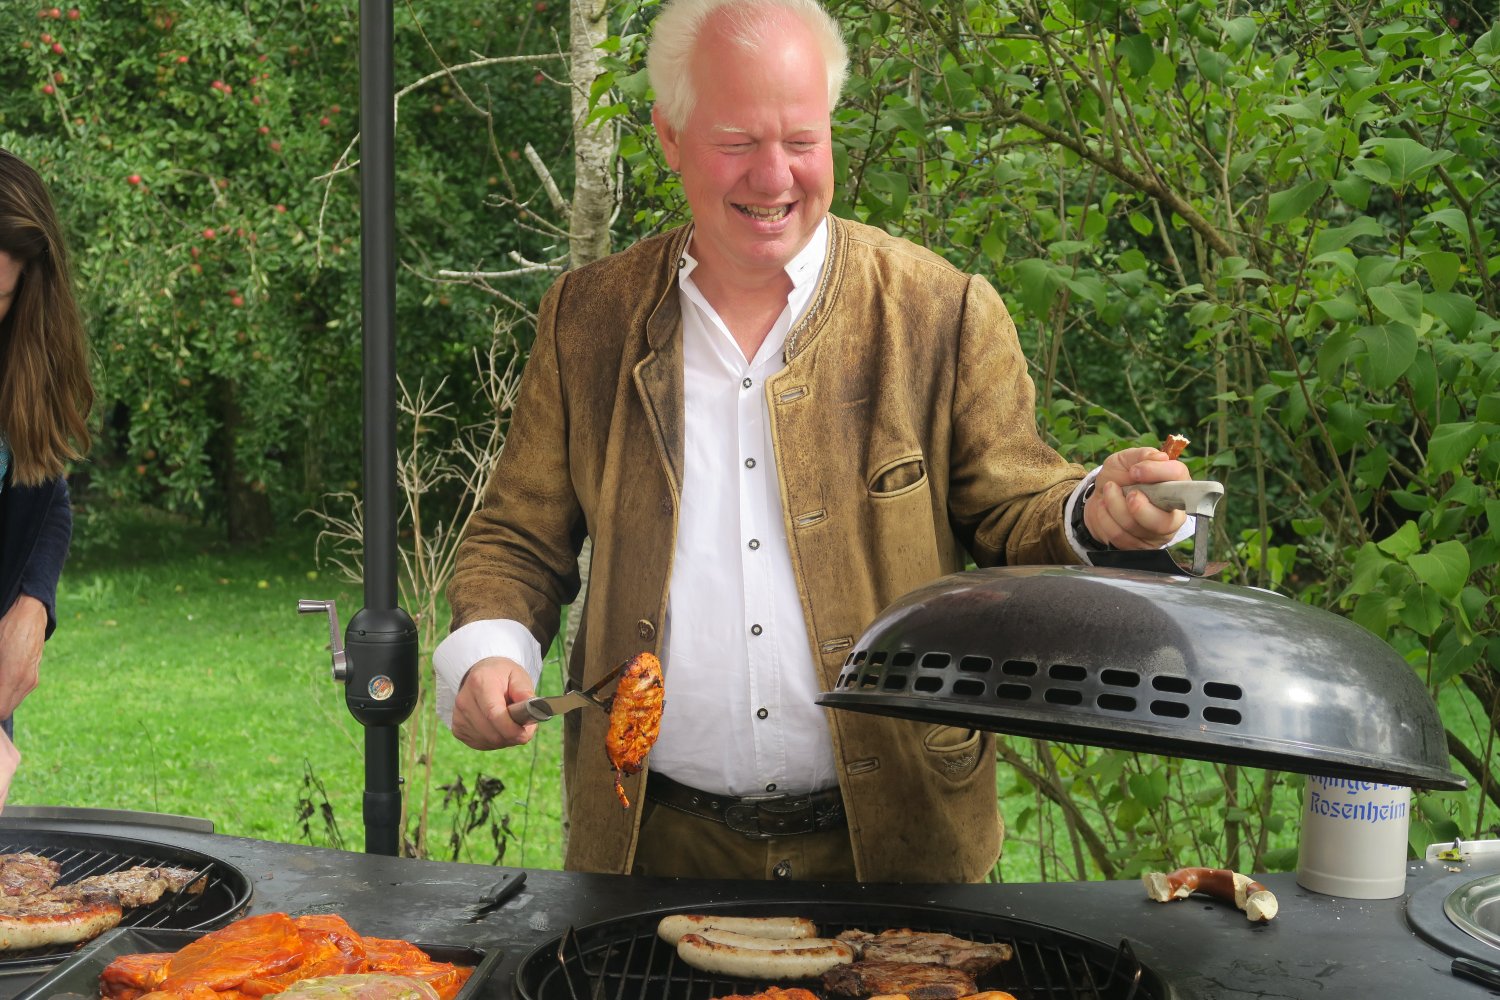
x: 1133, y: 522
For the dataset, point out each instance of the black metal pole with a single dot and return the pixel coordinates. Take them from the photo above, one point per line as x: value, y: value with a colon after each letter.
x: 381, y: 640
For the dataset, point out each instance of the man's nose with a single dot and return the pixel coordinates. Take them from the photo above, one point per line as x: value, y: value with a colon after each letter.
x: 772, y: 170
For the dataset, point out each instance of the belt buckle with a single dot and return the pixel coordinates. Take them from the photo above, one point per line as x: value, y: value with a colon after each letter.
x: 791, y: 816
x: 744, y: 819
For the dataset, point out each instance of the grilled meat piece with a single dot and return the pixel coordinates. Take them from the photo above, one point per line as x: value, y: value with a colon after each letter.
x: 26, y: 873
x: 773, y: 993
x: 143, y: 884
x: 919, y: 981
x: 634, y: 718
x: 132, y: 975
x: 906, y: 945
x: 55, y: 917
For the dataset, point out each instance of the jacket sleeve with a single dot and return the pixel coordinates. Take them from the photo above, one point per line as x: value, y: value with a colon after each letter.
x: 40, y: 574
x: 1009, y: 488
x: 519, y: 556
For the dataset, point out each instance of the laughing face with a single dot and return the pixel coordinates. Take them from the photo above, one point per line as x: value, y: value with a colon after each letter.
x: 755, y: 154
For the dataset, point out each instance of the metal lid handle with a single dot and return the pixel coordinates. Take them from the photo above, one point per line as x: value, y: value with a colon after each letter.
x: 1198, y: 498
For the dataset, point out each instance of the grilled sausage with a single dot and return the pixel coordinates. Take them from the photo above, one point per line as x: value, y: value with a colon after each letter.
x: 1244, y: 892
x: 791, y: 961
x: 672, y: 928
x: 754, y: 942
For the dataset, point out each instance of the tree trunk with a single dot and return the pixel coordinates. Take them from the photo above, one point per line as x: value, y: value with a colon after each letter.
x: 594, y: 195
x: 594, y: 200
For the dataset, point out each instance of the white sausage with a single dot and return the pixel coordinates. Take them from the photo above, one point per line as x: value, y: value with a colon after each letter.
x: 793, y: 961
x: 673, y: 927
x: 754, y: 942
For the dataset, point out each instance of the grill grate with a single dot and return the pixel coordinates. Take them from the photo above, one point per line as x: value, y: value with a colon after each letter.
x: 226, y: 894
x: 625, y: 960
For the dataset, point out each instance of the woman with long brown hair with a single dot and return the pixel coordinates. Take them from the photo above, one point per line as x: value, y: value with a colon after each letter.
x: 45, y: 399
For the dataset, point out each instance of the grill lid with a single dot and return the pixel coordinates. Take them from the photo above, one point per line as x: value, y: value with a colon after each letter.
x: 1151, y: 661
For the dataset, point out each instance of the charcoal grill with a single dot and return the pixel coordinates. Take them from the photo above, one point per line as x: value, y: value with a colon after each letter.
x: 623, y: 959
x: 226, y: 895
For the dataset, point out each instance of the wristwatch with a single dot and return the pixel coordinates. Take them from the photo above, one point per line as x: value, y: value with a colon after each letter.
x: 1080, y: 526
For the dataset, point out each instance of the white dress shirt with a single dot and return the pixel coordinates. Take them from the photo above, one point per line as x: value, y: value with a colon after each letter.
x: 739, y: 713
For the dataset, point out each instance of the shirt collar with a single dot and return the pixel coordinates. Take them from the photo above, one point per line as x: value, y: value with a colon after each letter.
x: 804, y: 269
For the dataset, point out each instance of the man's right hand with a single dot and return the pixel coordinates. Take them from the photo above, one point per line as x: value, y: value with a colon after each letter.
x: 480, y: 719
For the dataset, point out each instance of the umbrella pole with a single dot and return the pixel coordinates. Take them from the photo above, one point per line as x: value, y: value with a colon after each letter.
x: 382, y: 639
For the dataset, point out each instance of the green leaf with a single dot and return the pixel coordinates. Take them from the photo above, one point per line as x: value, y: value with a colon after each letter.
x: 1149, y: 789
x: 1369, y: 567
x: 1376, y: 612
x: 1141, y: 224
x: 1451, y: 218
x: 1404, y: 542
x: 1444, y: 568
x: 1293, y: 203
x: 1408, y: 159
x: 1341, y: 236
x: 1401, y: 301
x: 1214, y: 65
x: 1241, y: 31
x: 1354, y: 189
x: 1442, y: 268
x: 1422, y: 610
x: 1138, y: 53
x: 1450, y: 445
x: 1457, y: 311
x: 1039, y: 284
x: 1389, y: 350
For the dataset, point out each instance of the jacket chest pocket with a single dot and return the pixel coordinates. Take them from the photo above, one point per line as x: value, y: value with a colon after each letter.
x: 902, y: 475
x: 953, y: 752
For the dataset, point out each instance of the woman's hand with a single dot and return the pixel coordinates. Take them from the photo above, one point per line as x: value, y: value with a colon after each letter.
x: 22, y: 631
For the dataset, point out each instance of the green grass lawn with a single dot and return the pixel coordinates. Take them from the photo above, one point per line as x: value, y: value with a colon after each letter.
x: 182, y: 680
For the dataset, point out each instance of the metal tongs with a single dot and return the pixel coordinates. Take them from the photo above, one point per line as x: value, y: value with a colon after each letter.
x: 600, y: 696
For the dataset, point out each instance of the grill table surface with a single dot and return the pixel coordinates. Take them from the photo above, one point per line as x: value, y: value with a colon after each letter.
x: 1318, y: 947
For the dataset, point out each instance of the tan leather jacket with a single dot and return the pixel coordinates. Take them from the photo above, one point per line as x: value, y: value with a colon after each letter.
x: 904, y: 427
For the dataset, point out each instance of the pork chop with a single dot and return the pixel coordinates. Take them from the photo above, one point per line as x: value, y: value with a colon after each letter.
x: 919, y: 981
x: 907, y: 945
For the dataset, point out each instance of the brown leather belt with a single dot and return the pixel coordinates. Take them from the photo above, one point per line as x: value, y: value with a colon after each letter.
x: 758, y: 817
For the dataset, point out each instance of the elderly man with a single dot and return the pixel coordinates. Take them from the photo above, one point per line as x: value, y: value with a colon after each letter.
x: 772, y: 423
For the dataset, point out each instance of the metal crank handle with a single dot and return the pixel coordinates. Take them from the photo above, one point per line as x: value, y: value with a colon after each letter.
x: 335, y: 642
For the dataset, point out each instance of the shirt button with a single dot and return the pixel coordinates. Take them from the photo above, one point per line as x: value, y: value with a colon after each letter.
x: 761, y: 713
x: 681, y: 263
x: 755, y: 630
x: 783, y: 869
x: 771, y: 787
x: 645, y: 629
x: 749, y: 463
x: 754, y: 543
x: 747, y: 383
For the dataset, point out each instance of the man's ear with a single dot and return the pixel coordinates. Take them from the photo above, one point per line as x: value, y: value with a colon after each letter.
x: 668, y: 136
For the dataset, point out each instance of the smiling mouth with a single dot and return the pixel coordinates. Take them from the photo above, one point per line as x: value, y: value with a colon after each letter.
x: 765, y: 213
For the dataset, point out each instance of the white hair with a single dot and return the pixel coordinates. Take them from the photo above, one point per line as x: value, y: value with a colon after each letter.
x: 676, y: 30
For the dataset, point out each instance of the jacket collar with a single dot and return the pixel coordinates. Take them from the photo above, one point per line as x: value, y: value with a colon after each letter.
x: 665, y: 322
